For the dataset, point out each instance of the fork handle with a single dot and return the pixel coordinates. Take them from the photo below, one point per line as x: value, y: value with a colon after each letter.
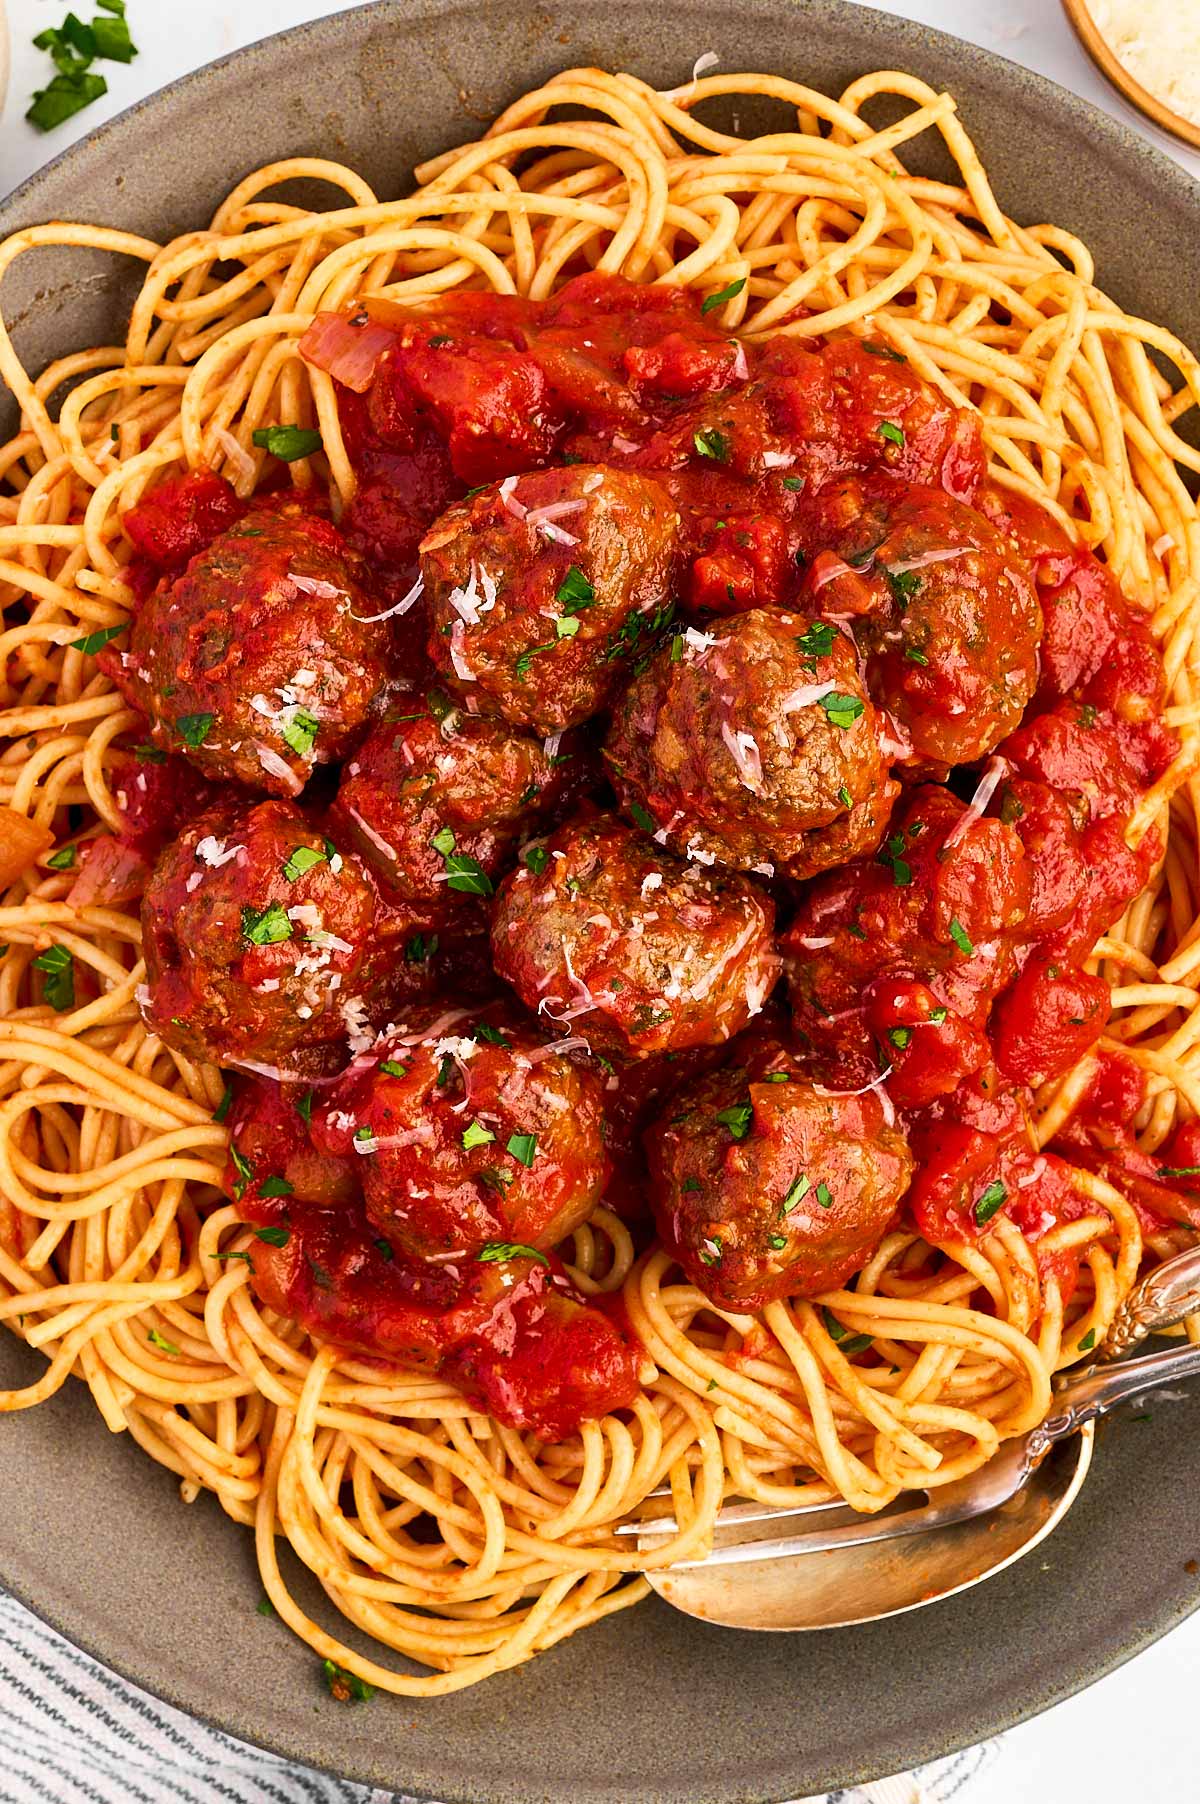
x: 1164, y: 1296
x: 1094, y: 1393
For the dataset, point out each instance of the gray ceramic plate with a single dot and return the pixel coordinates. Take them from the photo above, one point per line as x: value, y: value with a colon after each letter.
x: 650, y: 1705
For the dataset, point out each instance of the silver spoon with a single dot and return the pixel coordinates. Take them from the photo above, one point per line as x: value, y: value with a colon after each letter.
x: 843, y: 1568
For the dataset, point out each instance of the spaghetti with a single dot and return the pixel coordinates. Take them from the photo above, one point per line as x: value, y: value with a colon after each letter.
x: 448, y: 1538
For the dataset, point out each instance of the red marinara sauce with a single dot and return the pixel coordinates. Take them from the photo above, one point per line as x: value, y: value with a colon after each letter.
x: 867, y: 717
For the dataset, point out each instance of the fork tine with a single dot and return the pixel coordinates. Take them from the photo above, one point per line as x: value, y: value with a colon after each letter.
x: 734, y: 1514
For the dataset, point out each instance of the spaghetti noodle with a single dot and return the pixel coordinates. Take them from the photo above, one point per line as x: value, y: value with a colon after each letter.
x: 448, y: 1538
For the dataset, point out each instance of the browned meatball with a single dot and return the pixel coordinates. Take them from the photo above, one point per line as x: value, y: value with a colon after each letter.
x: 265, y: 945
x: 950, y: 620
x: 260, y: 661
x: 469, y: 1130
x: 766, y: 1185
x: 641, y: 953
x: 436, y: 799
x: 755, y: 746
x: 542, y: 587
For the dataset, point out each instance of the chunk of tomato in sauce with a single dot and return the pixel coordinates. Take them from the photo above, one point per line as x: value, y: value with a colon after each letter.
x: 1047, y: 1020
x: 929, y: 1047
x: 180, y: 517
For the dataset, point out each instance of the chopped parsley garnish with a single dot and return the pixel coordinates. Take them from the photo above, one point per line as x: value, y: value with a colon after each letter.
x: 690, y: 1184
x: 304, y: 1107
x: 91, y: 643
x: 274, y: 1186
x: 536, y: 858
x: 393, y: 1068
x: 737, y: 1118
x: 223, y: 1107
x: 566, y: 626
x: 496, y: 1251
x: 676, y: 648
x: 228, y: 1258
x: 345, y: 1686
x: 149, y: 754
x: 776, y: 1242
x: 160, y: 1341
x: 817, y: 640
x: 491, y: 1036
x: 575, y: 592
x: 710, y: 441
x: 73, y: 47
x: 384, y: 1248
x: 523, y: 1148
x: 300, y: 732
x: 302, y: 859
x: 795, y: 483
x: 64, y: 96
x: 824, y: 1196
x: 468, y: 876
x: 880, y: 350
x: 266, y: 926
x: 712, y: 301
x: 445, y: 1071
x: 841, y: 710
x: 800, y: 1188
x: 989, y: 1200
x: 1088, y: 1341
x: 959, y: 935
x: 244, y: 1169
x: 62, y: 860
x: 194, y: 729
x: 889, y: 430
x: 914, y: 656
x: 58, y: 971
x: 847, y: 1343
x: 1179, y: 1171
x: 892, y: 853
x: 899, y: 1037
x: 420, y: 947
x: 265, y: 1607
x: 476, y: 1135
x: 642, y: 817
x: 845, y: 798
x: 903, y: 585
x: 273, y: 1237
x: 937, y: 1016
x: 287, y: 442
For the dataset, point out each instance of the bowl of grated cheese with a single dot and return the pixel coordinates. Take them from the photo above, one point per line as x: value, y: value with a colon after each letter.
x: 1150, y: 51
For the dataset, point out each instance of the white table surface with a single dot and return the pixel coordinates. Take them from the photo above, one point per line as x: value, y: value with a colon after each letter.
x: 1130, y: 1736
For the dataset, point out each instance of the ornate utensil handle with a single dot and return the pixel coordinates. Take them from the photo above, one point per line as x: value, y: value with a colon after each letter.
x: 1094, y: 1393
x: 1164, y: 1296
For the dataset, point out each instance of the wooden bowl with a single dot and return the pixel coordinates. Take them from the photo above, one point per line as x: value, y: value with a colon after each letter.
x: 1101, y: 53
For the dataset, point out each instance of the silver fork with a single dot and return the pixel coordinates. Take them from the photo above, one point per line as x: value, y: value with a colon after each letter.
x: 746, y: 1531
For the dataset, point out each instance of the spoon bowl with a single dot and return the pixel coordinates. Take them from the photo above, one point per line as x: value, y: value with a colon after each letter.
x: 840, y: 1586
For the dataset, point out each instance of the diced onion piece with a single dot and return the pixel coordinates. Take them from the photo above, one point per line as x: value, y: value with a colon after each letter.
x: 348, y: 353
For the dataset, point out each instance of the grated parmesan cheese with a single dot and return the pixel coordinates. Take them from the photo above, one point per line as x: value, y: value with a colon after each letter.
x: 1158, y: 42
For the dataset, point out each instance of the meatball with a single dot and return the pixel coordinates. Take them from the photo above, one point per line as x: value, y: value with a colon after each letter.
x: 950, y: 621
x: 469, y: 1133
x: 541, y: 590
x: 261, y: 659
x: 436, y: 799
x: 601, y: 928
x: 265, y: 944
x: 755, y: 746
x: 767, y: 1185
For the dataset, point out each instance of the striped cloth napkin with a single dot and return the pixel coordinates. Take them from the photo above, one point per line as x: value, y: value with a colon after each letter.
x: 71, y: 1732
